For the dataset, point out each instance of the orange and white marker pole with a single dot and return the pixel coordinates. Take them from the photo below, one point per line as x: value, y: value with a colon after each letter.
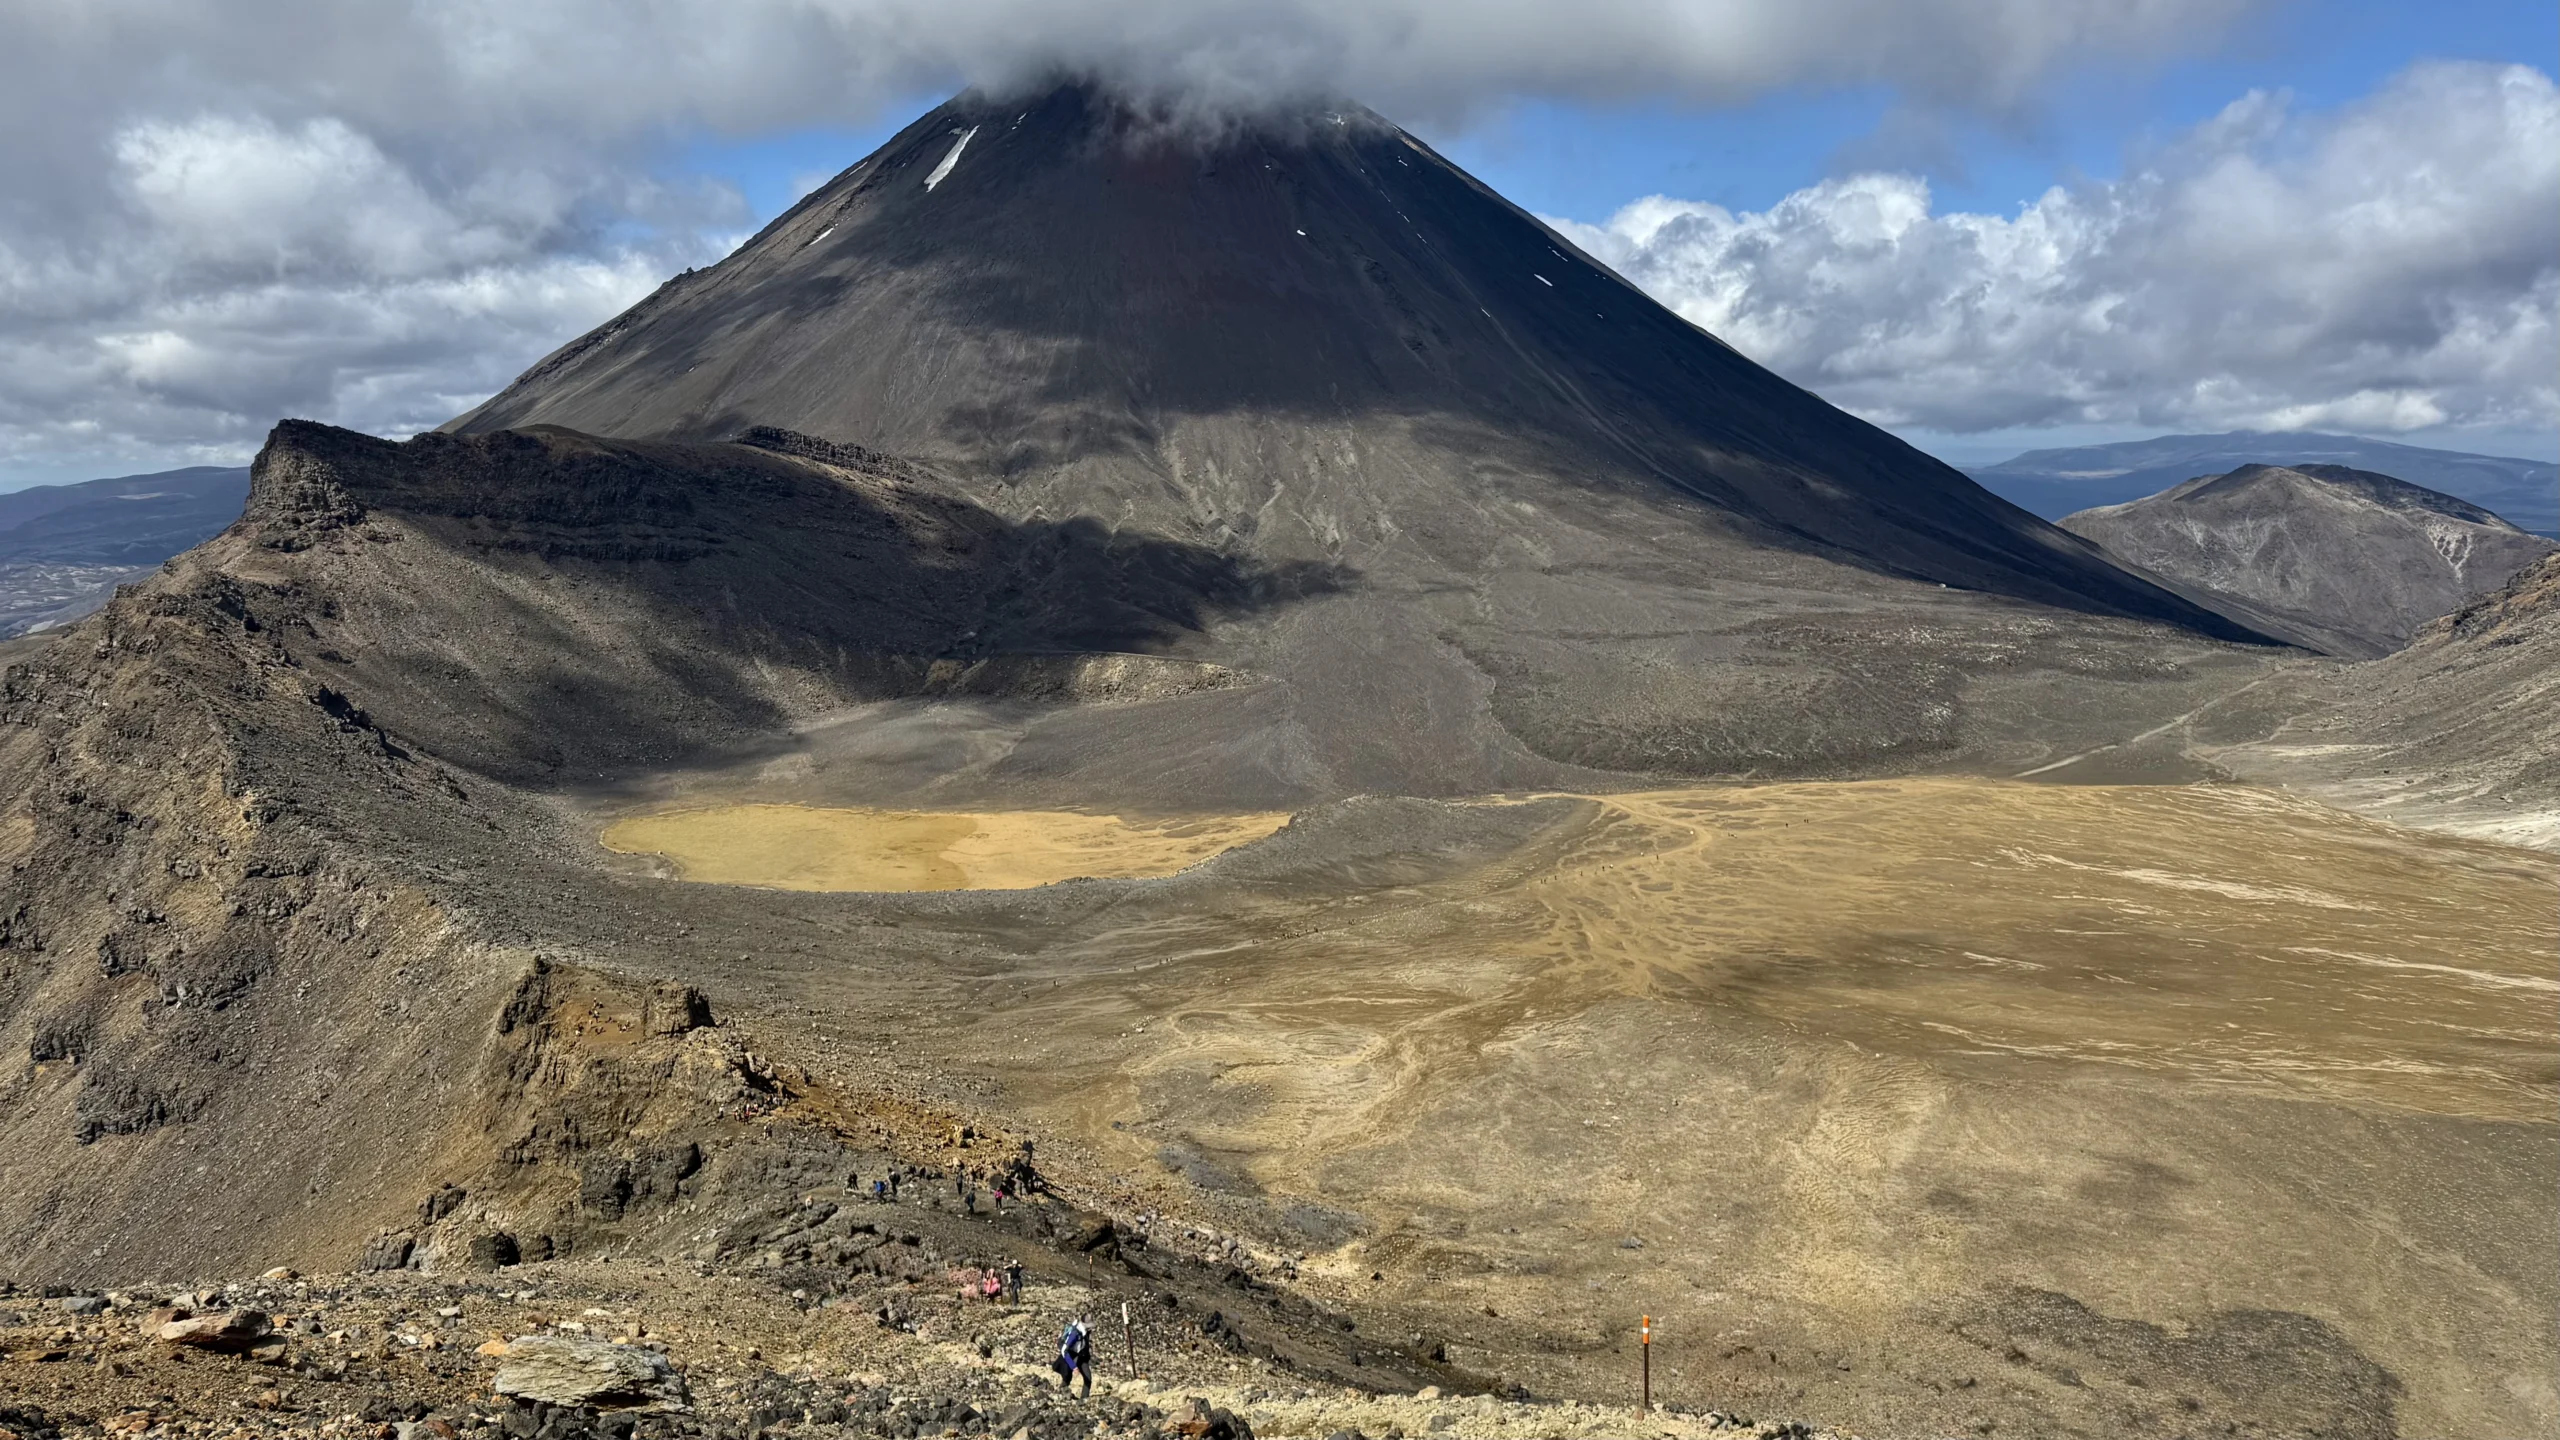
x: 1646, y: 1408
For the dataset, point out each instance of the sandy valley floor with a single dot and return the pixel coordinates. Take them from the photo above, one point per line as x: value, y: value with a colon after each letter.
x: 1890, y: 1073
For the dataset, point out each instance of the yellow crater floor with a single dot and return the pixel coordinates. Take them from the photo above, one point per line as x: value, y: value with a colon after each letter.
x: 800, y: 847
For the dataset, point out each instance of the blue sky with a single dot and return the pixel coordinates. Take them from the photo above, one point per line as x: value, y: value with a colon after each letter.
x: 1585, y: 161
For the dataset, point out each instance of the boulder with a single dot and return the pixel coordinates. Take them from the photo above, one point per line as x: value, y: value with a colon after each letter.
x: 233, y: 1330
x: 1198, y: 1419
x: 563, y: 1370
x: 610, y: 1185
x: 440, y: 1202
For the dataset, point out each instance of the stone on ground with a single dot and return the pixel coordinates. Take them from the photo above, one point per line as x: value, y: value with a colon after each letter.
x: 232, y: 1330
x: 561, y: 1370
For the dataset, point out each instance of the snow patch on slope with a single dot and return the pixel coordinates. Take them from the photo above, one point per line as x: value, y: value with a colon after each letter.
x: 942, y: 171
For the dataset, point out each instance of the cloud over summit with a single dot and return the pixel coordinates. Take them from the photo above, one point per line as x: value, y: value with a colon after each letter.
x: 603, y: 67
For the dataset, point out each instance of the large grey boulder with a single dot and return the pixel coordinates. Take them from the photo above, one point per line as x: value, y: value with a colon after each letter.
x: 234, y: 1331
x: 562, y: 1370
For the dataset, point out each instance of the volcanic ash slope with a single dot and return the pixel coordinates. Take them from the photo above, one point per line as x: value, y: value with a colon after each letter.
x: 1572, y: 531
x: 2459, y: 731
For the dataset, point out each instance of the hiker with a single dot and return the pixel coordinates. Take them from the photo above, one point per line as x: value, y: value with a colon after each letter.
x: 1013, y: 1282
x: 1075, y: 1358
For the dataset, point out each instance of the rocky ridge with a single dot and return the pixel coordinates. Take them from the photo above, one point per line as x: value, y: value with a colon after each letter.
x: 414, y: 1356
x: 2348, y: 561
x: 2460, y: 730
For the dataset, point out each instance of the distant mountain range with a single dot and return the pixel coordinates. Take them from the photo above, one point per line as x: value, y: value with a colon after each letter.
x: 64, y: 548
x: 2055, y: 483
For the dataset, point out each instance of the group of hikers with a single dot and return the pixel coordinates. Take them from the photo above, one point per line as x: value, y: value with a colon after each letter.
x: 992, y: 1283
x: 1010, y: 1180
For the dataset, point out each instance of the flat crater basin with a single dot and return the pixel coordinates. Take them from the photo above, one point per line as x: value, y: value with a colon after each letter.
x: 804, y: 847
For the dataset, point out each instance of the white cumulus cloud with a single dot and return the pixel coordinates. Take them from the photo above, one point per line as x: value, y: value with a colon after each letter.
x: 233, y: 270
x: 2392, y: 265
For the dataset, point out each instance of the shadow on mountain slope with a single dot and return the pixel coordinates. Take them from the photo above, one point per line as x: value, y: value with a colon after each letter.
x: 544, y: 605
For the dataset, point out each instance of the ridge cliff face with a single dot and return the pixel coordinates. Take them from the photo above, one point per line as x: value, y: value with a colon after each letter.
x: 2352, y: 561
x: 285, y: 873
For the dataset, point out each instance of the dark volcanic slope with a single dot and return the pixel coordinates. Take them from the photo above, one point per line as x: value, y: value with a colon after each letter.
x: 1570, y: 528
x: 592, y: 608
x: 2352, y: 560
x: 1289, y: 340
x: 1304, y: 342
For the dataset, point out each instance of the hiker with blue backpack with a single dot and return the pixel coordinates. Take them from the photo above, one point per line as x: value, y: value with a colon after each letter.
x: 1075, y: 1357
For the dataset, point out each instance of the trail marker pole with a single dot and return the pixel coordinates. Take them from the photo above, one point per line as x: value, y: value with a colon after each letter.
x: 1129, y: 1340
x: 1646, y: 1406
